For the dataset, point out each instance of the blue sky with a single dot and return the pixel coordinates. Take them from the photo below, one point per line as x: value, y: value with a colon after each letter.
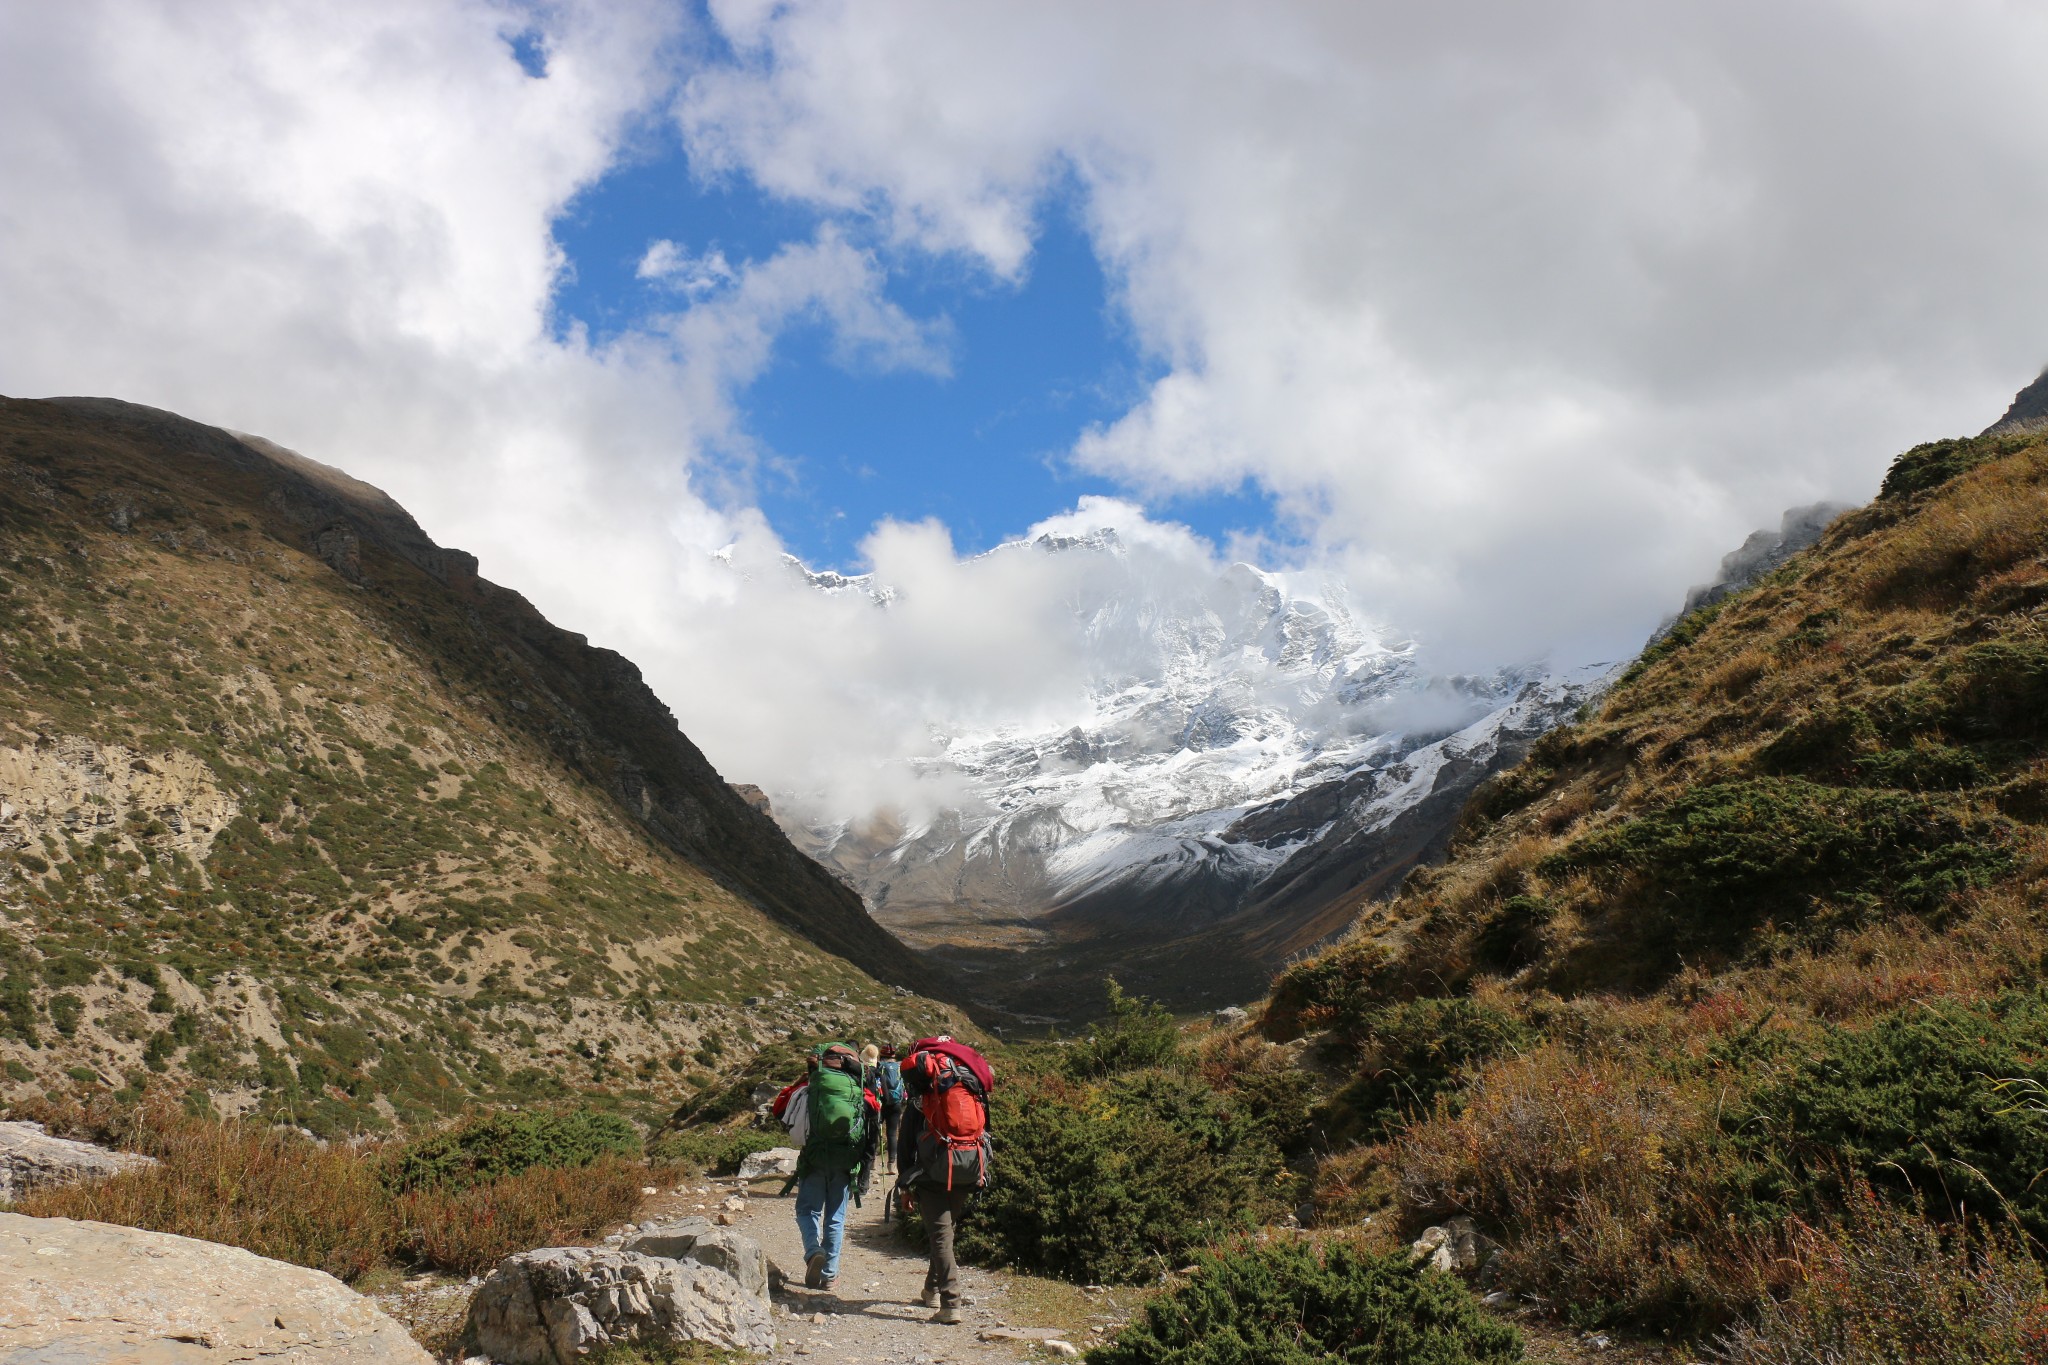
x: 982, y: 448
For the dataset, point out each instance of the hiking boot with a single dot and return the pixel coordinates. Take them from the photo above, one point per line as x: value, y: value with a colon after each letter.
x: 814, y: 1270
x: 948, y: 1314
x: 928, y: 1299
x: 825, y: 1282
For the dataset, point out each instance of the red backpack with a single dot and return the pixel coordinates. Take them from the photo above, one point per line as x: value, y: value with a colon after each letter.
x: 951, y: 1081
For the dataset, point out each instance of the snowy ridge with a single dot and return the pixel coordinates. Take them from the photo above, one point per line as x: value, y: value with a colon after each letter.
x: 1236, y: 721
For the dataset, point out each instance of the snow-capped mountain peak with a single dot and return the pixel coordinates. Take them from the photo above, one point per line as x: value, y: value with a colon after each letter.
x: 1236, y: 732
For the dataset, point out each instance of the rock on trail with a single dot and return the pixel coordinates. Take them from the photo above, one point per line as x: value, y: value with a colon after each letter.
x: 31, y: 1159
x: 95, y: 1294
x: 558, y: 1304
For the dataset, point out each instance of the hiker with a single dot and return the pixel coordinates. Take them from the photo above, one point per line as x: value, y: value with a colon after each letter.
x: 842, y: 1118
x: 942, y: 1157
x: 889, y: 1089
x: 792, y: 1110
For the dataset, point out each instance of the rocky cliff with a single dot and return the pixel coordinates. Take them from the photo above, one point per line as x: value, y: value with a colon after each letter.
x: 2029, y: 410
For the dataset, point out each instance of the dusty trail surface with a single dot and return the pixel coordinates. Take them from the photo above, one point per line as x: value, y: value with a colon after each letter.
x: 872, y: 1316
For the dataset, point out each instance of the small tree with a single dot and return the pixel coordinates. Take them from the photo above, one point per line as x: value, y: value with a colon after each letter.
x: 1136, y: 1035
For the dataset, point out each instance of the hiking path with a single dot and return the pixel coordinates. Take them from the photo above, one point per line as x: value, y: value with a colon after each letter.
x: 871, y: 1316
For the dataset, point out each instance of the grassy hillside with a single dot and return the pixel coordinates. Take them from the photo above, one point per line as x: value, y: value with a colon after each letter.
x: 299, y: 816
x: 1726, y: 985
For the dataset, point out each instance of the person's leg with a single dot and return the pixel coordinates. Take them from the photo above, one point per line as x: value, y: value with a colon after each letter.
x: 942, y: 1212
x: 892, y: 1122
x: 810, y: 1220
x: 930, y: 1206
x: 838, y: 1195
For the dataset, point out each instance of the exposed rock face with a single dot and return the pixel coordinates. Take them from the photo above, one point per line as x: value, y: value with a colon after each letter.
x: 553, y: 1306
x: 696, y: 1239
x: 92, y: 1294
x: 2029, y: 411
x: 165, y: 799
x: 773, y: 1162
x: 30, y: 1159
x: 1763, y: 552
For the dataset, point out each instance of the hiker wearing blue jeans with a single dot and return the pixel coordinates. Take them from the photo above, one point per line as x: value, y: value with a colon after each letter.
x: 840, y: 1118
x: 821, y: 1200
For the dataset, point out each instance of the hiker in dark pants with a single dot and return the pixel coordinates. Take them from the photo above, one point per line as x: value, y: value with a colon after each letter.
x: 889, y: 1088
x: 942, y: 1156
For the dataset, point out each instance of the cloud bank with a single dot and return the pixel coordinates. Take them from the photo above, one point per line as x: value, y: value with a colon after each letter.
x: 1523, y: 317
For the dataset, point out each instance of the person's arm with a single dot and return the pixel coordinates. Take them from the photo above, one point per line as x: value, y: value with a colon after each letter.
x: 907, y: 1134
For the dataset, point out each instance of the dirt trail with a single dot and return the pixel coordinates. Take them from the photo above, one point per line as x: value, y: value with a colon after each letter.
x: 872, y: 1317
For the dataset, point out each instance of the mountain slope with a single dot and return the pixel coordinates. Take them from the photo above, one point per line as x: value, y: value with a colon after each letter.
x: 1249, y: 760
x: 299, y: 811
x: 1862, y: 729
x: 1758, y: 943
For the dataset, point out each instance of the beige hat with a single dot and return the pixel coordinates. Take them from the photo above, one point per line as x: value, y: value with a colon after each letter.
x: 870, y: 1054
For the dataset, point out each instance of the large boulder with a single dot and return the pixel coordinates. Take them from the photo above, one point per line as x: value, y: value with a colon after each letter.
x: 776, y: 1161
x: 30, y: 1159
x: 95, y: 1294
x: 555, y: 1305
x: 697, y: 1239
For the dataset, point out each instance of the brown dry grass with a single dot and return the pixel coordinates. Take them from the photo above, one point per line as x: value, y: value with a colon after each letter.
x: 330, y: 1207
x: 1985, y: 524
x: 1887, y: 1286
x: 1598, y: 1156
x: 239, y: 1184
x: 1606, y: 1183
x: 470, y: 1231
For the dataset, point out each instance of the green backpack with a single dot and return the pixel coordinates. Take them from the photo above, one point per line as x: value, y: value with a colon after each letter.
x: 839, y: 1111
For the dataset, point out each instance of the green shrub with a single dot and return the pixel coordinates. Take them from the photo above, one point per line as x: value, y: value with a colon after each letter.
x: 1998, y: 690
x: 1281, y: 1099
x: 1935, y: 463
x: 1511, y: 937
x: 1292, y: 1303
x: 1944, y: 1098
x: 1773, y: 842
x: 66, y: 1009
x: 1346, y: 980
x: 503, y: 1144
x: 1135, y: 1035
x: 18, y: 1010
x: 711, y: 1150
x: 1411, y: 1053
x: 1924, y: 765
x: 1507, y: 792
x: 1114, y: 1181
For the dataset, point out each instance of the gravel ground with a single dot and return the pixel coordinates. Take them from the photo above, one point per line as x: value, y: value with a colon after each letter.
x: 872, y: 1315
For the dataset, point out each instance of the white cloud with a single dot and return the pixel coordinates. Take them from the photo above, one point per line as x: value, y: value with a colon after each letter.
x: 1523, y: 316
x: 669, y: 264
x: 1524, y: 313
